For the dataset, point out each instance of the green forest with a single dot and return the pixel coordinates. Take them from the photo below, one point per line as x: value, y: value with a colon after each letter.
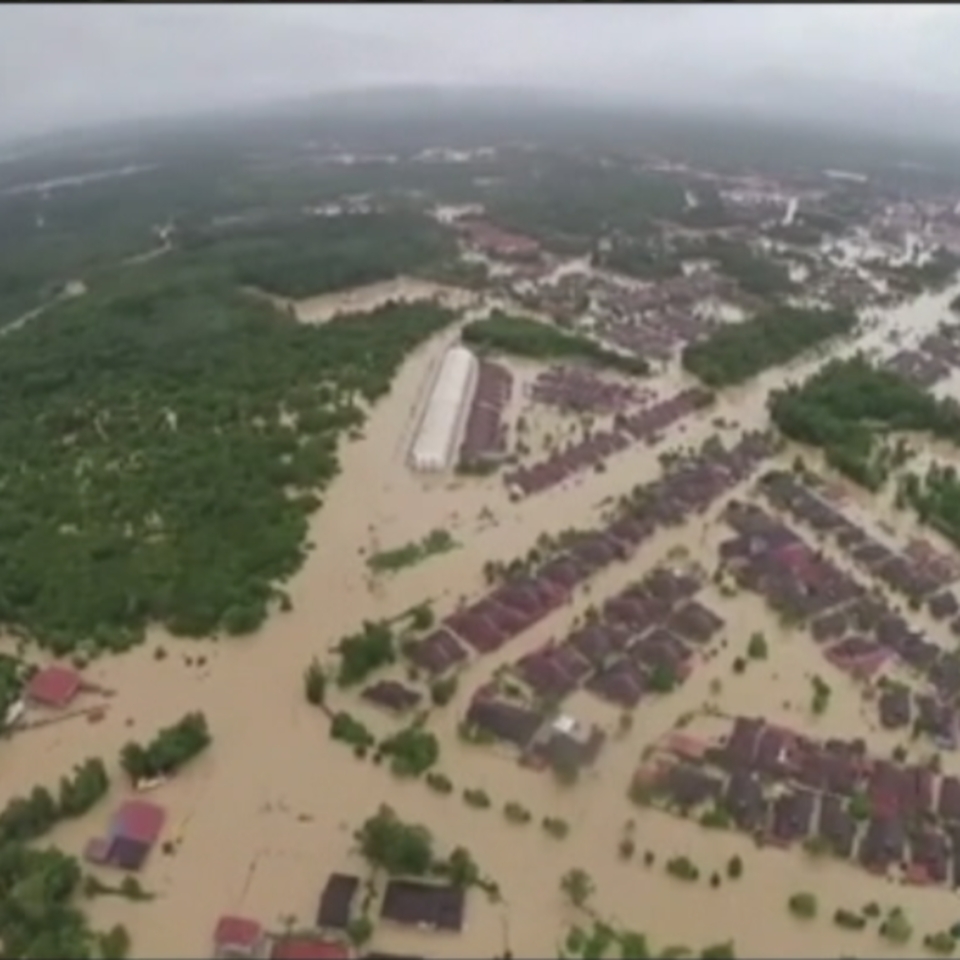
x: 848, y: 408
x: 755, y: 274
x: 244, y: 223
x: 523, y: 337
x: 162, y: 441
x: 567, y: 204
x: 935, y: 496
x: 934, y: 274
x: 297, y: 257
x: 736, y: 352
x: 641, y: 259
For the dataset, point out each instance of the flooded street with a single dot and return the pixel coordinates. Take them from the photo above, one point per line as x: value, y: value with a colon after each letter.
x: 268, y: 812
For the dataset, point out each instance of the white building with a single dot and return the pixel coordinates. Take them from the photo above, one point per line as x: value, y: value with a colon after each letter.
x: 446, y: 409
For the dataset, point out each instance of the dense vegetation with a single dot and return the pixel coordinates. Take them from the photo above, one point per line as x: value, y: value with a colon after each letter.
x: 568, y: 203
x: 934, y: 274
x: 315, y: 684
x: 50, y: 237
x: 168, y: 751
x: 407, y: 849
x: 754, y: 273
x: 409, y: 555
x: 845, y: 408
x: 298, y: 257
x: 30, y: 817
x: 39, y: 886
x: 412, y: 751
x: 162, y: 442
x: 738, y: 351
x: 935, y: 496
x: 528, y: 338
x: 13, y: 677
x: 365, y: 651
x: 641, y: 259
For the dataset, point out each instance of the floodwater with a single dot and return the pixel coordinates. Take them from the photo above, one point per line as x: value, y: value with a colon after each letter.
x: 404, y: 289
x: 262, y: 819
x: 77, y: 180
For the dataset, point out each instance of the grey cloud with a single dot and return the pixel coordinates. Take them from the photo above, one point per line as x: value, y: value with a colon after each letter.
x: 63, y: 64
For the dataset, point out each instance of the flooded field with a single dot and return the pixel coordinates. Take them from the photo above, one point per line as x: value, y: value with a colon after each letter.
x: 261, y: 819
x: 404, y: 290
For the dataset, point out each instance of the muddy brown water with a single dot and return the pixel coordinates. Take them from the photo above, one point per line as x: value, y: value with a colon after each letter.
x: 267, y: 814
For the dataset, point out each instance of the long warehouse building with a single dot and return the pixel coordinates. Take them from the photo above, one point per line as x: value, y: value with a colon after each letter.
x: 446, y: 409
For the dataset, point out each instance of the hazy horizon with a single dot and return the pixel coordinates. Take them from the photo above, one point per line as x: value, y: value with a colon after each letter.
x: 890, y: 67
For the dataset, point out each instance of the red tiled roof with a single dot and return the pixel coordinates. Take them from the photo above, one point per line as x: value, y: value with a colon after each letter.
x: 140, y: 820
x: 308, y: 948
x: 54, y: 686
x: 237, y: 932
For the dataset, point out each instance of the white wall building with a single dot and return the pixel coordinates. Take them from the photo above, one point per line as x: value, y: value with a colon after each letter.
x: 447, y: 406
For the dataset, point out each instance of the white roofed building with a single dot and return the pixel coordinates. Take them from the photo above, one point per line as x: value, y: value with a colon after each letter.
x: 447, y: 406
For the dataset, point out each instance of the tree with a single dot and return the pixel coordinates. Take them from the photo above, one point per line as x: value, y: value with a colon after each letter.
x: 359, y: 930
x: 847, y: 408
x: 443, y: 691
x: 461, y: 868
x: 734, y: 868
x: 860, y: 807
x: 208, y: 432
x: 719, y: 951
x: 663, y: 678
x: 757, y: 647
x: 315, y: 684
x: 398, y: 848
x: 422, y: 617
x: 803, y: 905
x: 115, y: 943
x: 526, y: 337
x: 737, y: 352
x: 362, y: 653
x: 896, y: 927
x: 169, y: 750
x: 577, y: 885
x: 633, y: 946
x: 412, y: 750
x: 821, y: 695
x: 30, y: 817
x: 80, y: 792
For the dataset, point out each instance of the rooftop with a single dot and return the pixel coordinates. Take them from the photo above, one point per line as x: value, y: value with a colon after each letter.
x: 424, y: 904
x: 54, y: 686
x: 139, y: 820
x: 308, y: 947
x: 234, y: 931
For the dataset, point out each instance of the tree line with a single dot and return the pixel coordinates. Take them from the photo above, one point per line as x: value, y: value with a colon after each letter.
x: 736, y: 352
x: 847, y: 407
x: 523, y: 337
x: 172, y: 748
x: 302, y: 256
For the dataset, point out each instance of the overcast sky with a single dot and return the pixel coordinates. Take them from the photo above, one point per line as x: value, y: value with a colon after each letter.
x: 68, y: 65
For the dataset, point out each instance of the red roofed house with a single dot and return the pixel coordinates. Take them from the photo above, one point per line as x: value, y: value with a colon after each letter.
x: 237, y: 937
x: 139, y: 820
x: 305, y: 946
x: 54, y: 686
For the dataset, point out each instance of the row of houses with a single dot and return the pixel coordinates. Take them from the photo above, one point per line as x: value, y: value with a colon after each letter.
x: 407, y: 902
